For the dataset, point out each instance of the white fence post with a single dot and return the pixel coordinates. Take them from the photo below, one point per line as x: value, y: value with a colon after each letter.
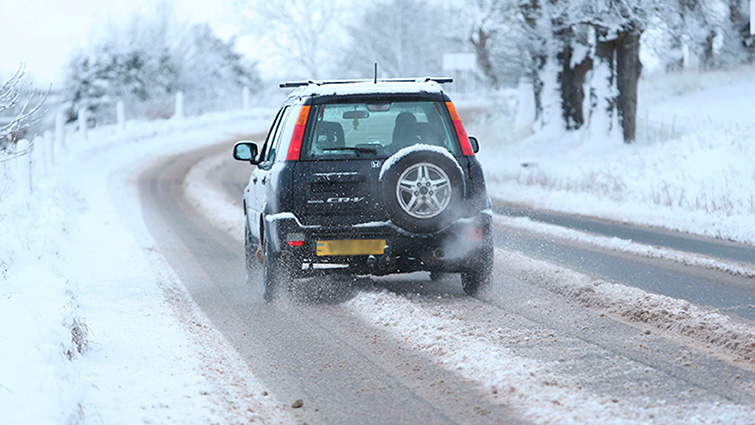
x: 120, y: 113
x: 40, y: 160
x: 23, y: 169
x: 83, y: 118
x: 50, y: 147
x: 245, y: 98
x: 60, y: 129
x: 179, y: 113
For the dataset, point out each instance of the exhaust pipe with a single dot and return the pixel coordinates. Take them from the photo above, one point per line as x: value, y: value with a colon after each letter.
x: 439, y: 253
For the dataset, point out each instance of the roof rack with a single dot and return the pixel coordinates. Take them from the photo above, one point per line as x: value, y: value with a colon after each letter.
x: 439, y: 80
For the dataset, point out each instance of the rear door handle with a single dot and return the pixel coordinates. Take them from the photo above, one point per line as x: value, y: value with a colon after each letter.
x: 254, y: 179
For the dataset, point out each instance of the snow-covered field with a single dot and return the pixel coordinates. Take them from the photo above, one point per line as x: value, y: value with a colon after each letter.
x: 692, y: 168
x: 96, y: 326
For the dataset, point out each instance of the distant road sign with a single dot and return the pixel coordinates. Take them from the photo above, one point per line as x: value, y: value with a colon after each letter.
x: 459, y: 62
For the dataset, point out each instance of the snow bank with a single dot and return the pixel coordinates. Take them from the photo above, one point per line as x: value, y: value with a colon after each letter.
x: 701, y: 326
x: 483, y: 355
x: 42, y: 335
x: 42, y: 331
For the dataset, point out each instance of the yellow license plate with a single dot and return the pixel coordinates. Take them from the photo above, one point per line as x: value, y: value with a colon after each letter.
x: 351, y: 247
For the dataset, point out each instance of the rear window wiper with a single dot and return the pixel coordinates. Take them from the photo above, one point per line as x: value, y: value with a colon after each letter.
x: 358, y: 149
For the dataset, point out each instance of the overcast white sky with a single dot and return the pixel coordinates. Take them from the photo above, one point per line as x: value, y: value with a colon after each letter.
x: 44, y: 33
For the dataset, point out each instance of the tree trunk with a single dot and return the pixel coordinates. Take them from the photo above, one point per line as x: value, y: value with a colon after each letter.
x: 628, y: 69
x: 676, y: 60
x: 572, y: 80
x: 740, y: 22
x: 536, y: 50
x: 483, y: 56
x: 708, y: 61
x: 603, y: 90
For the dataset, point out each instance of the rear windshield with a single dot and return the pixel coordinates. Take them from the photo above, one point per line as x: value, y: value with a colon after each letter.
x: 377, y: 130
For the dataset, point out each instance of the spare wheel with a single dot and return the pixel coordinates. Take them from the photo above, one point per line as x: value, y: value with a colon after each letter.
x: 422, y: 188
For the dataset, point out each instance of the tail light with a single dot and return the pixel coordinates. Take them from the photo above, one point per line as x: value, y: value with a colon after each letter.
x: 295, y: 239
x: 475, y: 234
x: 294, y: 148
x: 466, y: 147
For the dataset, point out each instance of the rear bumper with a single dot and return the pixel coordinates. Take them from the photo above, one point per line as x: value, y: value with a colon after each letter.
x: 453, y: 249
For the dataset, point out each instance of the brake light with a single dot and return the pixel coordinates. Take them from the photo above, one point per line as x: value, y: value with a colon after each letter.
x: 466, y: 147
x: 294, y: 148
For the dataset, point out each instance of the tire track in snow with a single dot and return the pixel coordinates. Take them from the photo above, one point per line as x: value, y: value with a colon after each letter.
x: 487, y: 356
x: 704, y: 326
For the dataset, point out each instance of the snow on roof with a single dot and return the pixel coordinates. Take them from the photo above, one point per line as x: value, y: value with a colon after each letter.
x: 367, y: 87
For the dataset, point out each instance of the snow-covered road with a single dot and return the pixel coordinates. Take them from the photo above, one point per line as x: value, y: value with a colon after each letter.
x: 546, y: 344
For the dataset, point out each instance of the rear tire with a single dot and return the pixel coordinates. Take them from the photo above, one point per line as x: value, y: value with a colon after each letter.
x: 275, y: 272
x: 250, y: 250
x: 474, y: 280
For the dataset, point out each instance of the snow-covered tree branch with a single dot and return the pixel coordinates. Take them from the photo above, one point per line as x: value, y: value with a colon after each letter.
x: 302, y: 32
x: 26, y: 113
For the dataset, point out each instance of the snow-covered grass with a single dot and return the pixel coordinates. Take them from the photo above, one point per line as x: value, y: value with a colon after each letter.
x: 692, y: 168
x: 96, y: 326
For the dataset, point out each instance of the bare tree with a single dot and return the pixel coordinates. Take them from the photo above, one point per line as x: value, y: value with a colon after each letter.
x: 494, y: 30
x: 406, y: 38
x: 30, y: 111
x: 302, y: 31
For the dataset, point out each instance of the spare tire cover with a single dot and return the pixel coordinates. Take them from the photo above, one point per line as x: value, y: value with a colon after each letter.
x: 422, y: 188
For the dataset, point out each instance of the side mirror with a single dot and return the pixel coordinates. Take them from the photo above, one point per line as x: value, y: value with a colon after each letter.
x: 246, y: 151
x: 475, y: 144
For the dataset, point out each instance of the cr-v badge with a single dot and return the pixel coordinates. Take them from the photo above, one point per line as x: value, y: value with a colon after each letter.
x: 344, y: 200
x: 337, y: 200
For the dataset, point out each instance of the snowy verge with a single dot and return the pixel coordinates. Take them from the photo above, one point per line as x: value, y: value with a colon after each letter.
x: 627, y: 246
x: 692, y: 168
x: 103, y: 331
x: 484, y: 355
x: 699, y: 325
x: 39, y: 377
